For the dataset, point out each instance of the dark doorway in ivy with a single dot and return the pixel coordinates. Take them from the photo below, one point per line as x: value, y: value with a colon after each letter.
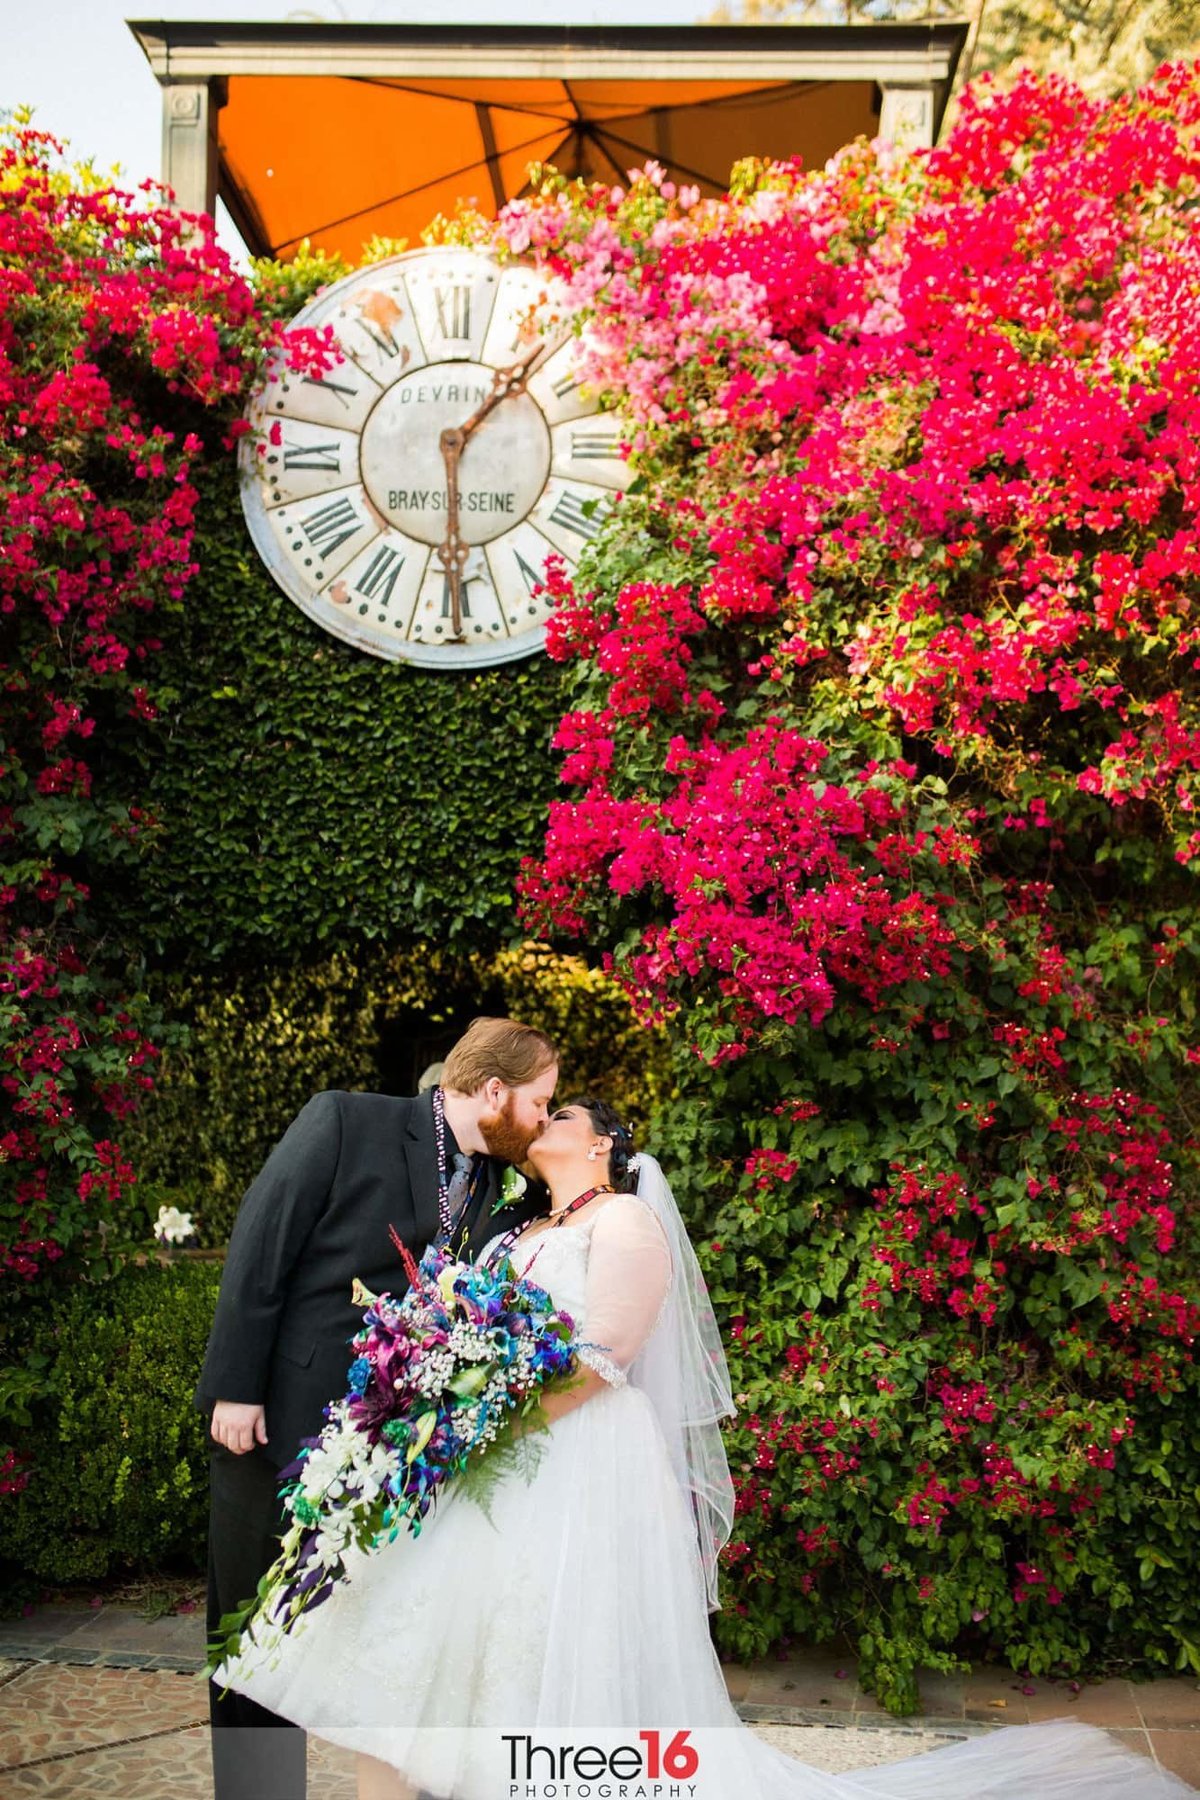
x: 413, y: 1038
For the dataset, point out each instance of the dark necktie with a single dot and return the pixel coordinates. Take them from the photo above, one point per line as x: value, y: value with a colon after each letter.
x: 457, y: 1190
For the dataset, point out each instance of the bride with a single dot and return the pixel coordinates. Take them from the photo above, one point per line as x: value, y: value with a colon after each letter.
x: 469, y: 1660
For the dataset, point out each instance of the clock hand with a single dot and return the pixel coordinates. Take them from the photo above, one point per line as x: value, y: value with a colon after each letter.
x: 505, y: 383
x: 452, y: 552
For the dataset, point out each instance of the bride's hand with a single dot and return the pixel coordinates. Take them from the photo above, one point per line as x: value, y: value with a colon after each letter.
x: 552, y: 1405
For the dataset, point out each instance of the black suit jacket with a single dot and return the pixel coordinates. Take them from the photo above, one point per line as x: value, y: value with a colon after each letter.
x: 317, y: 1214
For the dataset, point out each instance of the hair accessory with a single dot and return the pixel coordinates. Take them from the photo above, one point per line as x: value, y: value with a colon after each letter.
x: 633, y: 1165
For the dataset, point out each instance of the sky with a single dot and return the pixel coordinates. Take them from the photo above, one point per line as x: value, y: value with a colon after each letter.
x: 77, y: 63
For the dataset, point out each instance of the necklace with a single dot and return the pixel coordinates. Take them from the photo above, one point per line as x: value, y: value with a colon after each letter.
x: 510, y: 1237
x: 580, y: 1200
x: 439, y: 1125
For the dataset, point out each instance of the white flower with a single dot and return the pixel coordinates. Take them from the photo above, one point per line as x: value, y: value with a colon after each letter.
x: 512, y: 1186
x: 173, y: 1226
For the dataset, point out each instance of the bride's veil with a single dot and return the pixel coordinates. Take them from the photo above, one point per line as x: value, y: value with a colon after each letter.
x: 682, y: 1369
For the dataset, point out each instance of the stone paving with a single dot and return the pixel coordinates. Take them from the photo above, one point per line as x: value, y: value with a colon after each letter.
x: 99, y: 1702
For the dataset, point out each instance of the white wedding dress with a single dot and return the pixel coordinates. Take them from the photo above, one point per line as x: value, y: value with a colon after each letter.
x: 579, y: 1612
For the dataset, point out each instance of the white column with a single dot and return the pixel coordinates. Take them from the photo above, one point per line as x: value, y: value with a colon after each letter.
x: 189, y: 144
x: 906, y: 117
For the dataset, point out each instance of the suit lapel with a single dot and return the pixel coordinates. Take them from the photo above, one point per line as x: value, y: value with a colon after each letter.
x: 420, y: 1154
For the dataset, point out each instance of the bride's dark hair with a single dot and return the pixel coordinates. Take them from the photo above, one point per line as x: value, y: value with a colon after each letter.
x: 607, y: 1123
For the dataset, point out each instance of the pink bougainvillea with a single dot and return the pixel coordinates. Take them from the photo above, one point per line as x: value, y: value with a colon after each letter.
x: 127, y: 347
x: 883, y: 759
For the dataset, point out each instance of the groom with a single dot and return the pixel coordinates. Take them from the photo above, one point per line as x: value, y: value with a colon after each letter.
x: 348, y: 1166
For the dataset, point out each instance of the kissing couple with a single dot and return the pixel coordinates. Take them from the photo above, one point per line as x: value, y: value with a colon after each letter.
x: 579, y: 1600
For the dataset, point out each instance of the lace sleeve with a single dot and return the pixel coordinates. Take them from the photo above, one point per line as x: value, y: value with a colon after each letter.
x: 628, y: 1278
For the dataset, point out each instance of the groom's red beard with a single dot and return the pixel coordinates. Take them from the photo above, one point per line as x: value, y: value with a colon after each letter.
x: 503, y: 1136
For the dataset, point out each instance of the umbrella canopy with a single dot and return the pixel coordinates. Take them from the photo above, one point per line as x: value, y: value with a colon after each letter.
x: 343, y: 133
x: 416, y: 148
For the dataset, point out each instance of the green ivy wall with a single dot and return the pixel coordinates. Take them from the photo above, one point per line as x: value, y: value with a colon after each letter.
x: 311, y: 795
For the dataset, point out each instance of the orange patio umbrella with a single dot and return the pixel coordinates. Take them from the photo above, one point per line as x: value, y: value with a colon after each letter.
x: 342, y: 133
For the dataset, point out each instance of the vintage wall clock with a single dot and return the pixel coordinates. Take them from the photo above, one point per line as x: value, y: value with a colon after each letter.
x: 407, y: 499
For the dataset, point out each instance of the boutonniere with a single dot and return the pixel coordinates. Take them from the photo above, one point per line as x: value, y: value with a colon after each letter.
x: 512, y: 1186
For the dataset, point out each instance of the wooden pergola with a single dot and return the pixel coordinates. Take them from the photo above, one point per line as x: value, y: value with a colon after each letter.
x: 340, y: 133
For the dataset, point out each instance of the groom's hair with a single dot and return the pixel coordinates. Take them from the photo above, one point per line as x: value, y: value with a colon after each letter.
x: 516, y: 1053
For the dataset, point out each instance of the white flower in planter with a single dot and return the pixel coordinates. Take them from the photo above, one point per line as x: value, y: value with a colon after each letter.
x: 173, y: 1226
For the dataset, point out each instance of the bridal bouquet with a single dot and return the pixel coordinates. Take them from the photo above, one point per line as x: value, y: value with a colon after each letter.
x: 444, y: 1387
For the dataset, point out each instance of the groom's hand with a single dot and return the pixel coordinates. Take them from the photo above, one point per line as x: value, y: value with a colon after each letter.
x: 238, y: 1426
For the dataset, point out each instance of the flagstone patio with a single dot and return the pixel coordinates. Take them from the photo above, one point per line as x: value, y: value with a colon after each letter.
x: 99, y: 1701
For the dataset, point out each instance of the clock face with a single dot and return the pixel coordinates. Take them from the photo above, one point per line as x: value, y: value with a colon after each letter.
x: 345, y: 484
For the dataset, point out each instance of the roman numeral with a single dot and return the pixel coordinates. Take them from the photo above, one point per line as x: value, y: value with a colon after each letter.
x: 464, y: 595
x: 566, y: 384
x: 329, y: 386
x: 531, y: 576
x: 378, y: 313
x: 380, y: 336
x: 380, y: 575
x: 313, y: 456
x: 593, y: 446
x: 453, y: 310
x: 330, y: 526
x: 569, y: 513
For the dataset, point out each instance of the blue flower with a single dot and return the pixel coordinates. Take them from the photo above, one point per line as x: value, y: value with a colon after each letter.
x: 360, y: 1372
